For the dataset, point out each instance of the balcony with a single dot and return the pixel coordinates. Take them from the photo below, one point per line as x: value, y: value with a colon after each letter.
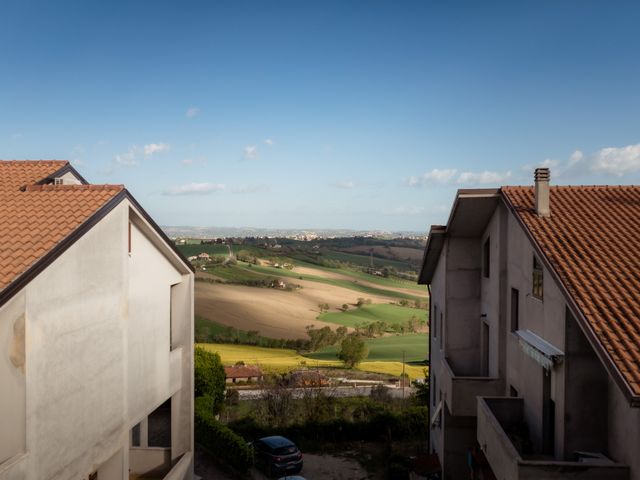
x: 501, y: 433
x: 460, y: 392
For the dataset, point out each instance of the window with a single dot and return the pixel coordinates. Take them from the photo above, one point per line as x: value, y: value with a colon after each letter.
x: 515, y: 307
x: 129, y: 239
x: 159, y: 426
x: 135, y: 436
x: 486, y: 258
x: 58, y: 181
x: 441, y: 331
x: 537, y: 289
x: 512, y: 391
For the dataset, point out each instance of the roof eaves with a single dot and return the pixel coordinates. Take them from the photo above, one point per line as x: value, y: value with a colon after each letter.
x: 605, y: 358
x: 434, y: 231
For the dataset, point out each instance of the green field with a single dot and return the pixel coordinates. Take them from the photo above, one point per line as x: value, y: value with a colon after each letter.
x: 364, y: 260
x: 360, y: 275
x: 388, y: 349
x: 205, y: 327
x: 392, y: 314
x: 194, y: 249
x: 304, y: 260
x: 283, y: 360
x: 351, y: 285
x: 237, y: 273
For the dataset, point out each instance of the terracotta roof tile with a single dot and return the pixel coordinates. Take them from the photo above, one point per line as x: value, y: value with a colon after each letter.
x: 592, y: 240
x: 35, y: 218
x: 242, y: 371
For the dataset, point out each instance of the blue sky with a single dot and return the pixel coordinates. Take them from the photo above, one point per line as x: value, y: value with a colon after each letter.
x: 332, y: 114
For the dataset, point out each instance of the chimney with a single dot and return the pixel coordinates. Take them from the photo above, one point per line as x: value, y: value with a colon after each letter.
x: 542, y: 176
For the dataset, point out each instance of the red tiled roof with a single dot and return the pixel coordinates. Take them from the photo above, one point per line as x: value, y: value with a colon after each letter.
x: 592, y: 241
x: 242, y: 371
x: 35, y: 218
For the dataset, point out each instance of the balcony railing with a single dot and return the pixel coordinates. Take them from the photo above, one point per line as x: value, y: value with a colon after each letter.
x: 460, y: 392
x: 501, y: 423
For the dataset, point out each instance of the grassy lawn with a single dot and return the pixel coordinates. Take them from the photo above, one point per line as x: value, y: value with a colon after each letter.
x: 373, y: 313
x: 283, y: 360
x: 386, y: 349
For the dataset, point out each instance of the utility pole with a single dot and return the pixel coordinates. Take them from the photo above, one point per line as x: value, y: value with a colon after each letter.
x: 403, y: 377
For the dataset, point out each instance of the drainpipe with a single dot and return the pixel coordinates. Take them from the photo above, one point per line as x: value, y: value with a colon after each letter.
x: 429, y: 379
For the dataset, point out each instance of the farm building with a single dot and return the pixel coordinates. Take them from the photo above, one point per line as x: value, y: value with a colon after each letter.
x: 204, y: 256
x: 96, y: 332
x: 534, y: 333
x: 242, y: 373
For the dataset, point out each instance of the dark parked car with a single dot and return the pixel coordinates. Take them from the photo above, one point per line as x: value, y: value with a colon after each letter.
x: 277, y: 456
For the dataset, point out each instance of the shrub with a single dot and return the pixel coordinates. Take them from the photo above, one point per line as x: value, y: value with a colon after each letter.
x: 209, y: 378
x: 218, y: 440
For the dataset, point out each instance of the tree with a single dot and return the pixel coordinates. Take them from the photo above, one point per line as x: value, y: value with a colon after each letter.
x: 421, y: 396
x: 323, y: 307
x: 352, y: 351
x: 345, y: 307
x: 209, y: 378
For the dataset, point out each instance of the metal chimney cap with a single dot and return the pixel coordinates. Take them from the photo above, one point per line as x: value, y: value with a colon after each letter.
x: 542, y: 174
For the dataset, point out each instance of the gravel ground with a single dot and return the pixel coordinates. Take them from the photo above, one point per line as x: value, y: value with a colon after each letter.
x: 316, y: 467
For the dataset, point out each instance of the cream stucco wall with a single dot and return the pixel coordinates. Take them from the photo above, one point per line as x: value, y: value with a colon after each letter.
x: 97, y: 351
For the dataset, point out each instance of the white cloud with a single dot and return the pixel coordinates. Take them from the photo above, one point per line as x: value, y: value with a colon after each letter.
x: 452, y: 176
x: 127, y: 159
x: 192, y: 112
x: 483, y: 178
x: 250, y: 152
x: 435, y: 176
x: 187, y: 162
x: 269, y: 142
x: 347, y: 184
x: 194, y: 189
x: 243, y: 189
x: 576, y: 157
x: 610, y: 161
x: 617, y: 161
x: 153, y: 148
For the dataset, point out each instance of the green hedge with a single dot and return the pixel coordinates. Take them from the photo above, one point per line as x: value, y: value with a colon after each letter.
x: 219, y: 440
x: 376, y: 424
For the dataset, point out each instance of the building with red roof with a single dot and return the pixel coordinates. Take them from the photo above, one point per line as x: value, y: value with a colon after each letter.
x: 535, y: 332
x: 96, y: 332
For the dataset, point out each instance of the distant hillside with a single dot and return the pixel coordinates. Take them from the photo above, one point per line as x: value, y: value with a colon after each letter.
x: 223, y: 232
